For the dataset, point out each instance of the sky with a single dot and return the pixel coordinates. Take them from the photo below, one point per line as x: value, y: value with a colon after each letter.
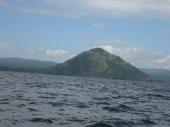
x: 56, y: 30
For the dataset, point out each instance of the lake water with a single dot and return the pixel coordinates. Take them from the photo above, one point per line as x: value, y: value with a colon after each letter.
x: 35, y: 100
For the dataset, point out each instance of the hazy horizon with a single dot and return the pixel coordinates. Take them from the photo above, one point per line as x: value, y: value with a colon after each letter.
x: 55, y: 30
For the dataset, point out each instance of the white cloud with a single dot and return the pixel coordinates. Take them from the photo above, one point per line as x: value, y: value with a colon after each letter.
x: 140, y: 57
x: 38, y: 50
x: 49, y: 52
x: 5, y: 45
x: 162, y: 63
x: 56, y: 53
x: 108, y: 48
x: 74, y: 8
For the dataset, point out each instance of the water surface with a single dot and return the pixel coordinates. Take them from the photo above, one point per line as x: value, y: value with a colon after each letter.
x: 35, y: 100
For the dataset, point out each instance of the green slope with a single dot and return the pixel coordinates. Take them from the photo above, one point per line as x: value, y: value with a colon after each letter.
x: 99, y: 63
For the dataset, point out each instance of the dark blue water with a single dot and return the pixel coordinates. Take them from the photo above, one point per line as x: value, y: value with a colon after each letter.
x: 34, y: 100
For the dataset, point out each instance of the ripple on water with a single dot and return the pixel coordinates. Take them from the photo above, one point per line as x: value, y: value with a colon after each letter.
x: 100, y: 124
x: 119, y: 108
x: 147, y: 121
x: 123, y: 123
x: 32, y: 109
x: 49, y: 121
x: 35, y: 100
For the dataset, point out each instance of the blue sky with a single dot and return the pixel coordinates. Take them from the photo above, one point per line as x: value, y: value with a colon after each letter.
x: 136, y: 30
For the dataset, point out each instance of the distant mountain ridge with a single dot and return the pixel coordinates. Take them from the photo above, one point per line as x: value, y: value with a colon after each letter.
x: 99, y: 63
x: 92, y: 63
x: 25, y: 64
x: 158, y: 74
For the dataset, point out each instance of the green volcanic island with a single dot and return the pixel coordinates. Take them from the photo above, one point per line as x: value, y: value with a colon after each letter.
x: 99, y: 63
